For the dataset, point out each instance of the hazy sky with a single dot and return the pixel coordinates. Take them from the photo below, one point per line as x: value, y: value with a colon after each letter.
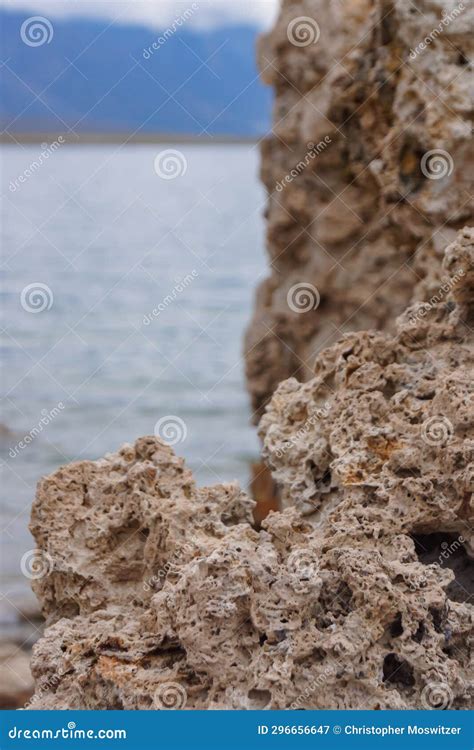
x: 157, y: 13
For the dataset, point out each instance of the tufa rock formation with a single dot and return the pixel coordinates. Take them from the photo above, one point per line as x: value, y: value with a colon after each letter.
x: 161, y: 595
x: 387, y: 417
x: 367, y: 171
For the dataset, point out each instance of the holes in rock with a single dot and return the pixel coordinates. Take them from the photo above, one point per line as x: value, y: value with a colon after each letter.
x: 410, y: 174
x: 397, y: 671
x: 111, y: 644
x: 462, y: 59
x: 69, y: 610
x: 418, y: 636
x: 437, y: 617
x: 335, y: 603
x: 322, y: 483
x: 388, y: 24
x: 389, y: 390
x: 405, y: 473
x: 326, y: 478
x: 447, y: 549
x: 259, y: 698
x: 318, y: 655
x: 396, y: 628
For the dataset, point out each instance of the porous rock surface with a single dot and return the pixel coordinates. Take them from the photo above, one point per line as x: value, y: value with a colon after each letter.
x: 365, y: 217
x: 161, y: 595
x: 387, y: 417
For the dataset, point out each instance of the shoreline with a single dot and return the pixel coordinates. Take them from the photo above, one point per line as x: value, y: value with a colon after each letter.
x: 79, y: 139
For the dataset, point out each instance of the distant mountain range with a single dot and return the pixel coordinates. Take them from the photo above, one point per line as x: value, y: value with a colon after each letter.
x: 95, y: 77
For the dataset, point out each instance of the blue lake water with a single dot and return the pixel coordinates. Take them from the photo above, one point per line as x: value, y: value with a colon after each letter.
x: 109, y: 241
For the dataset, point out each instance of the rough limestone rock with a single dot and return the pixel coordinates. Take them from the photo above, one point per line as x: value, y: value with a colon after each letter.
x: 387, y: 419
x: 161, y: 595
x: 368, y: 171
x: 104, y: 527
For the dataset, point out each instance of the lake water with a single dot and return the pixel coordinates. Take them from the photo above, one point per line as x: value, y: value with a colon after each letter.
x: 109, y: 241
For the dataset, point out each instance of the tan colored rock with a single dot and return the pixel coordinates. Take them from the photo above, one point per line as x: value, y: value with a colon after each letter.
x: 363, y: 214
x: 387, y: 419
x: 105, y: 527
x: 160, y: 595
